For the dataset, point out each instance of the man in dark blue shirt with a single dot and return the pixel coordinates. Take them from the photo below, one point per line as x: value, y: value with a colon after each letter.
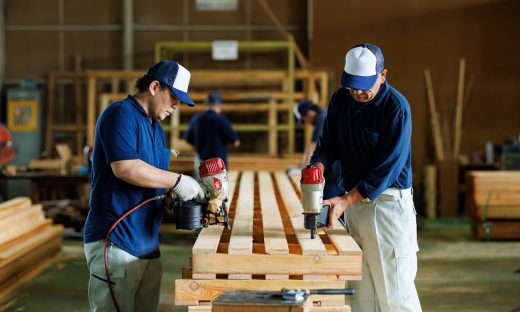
x: 368, y: 129
x: 130, y: 164
x: 210, y: 132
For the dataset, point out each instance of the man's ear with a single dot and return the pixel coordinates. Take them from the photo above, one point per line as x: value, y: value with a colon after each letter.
x: 383, y: 75
x: 153, y: 87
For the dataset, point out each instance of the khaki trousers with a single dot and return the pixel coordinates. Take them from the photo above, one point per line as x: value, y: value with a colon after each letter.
x: 136, y: 282
x: 386, y: 231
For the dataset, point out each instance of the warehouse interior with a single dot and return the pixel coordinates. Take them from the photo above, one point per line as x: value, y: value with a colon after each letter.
x: 62, y: 63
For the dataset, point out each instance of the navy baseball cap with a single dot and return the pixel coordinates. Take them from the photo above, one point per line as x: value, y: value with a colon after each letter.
x: 302, y: 108
x: 363, y: 63
x: 214, y: 98
x: 175, y: 76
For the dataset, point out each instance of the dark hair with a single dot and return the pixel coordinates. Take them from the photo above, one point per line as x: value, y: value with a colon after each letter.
x: 144, y: 82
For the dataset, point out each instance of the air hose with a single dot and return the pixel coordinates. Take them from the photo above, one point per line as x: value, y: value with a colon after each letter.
x: 105, y: 250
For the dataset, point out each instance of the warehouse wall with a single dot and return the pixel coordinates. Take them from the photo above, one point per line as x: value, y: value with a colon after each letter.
x: 43, y: 36
x: 415, y: 35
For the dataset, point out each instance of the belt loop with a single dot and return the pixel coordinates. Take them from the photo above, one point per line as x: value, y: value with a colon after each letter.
x: 400, y: 193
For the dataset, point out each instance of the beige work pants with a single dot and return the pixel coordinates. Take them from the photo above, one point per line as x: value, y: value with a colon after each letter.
x: 386, y: 231
x: 136, y: 282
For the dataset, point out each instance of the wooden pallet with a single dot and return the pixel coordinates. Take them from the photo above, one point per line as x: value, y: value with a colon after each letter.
x: 268, y: 247
x: 28, y: 242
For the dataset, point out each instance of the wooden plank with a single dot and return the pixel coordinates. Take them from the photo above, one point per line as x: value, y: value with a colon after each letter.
x: 275, y: 241
x: 27, y: 259
x: 458, y: 111
x: 284, y: 264
x: 436, y: 129
x: 496, y: 230
x: 191, y: 292
x: 345, y: 245
x: 18, y: 223
x: 12, y: 205
x: 294, y: 209
x: 241, y: 240
x: 344, y: 308
x: 498, y: 211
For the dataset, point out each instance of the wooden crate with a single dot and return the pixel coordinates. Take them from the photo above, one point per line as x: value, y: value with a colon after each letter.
x: 493, y: 200
x: 268, y: 247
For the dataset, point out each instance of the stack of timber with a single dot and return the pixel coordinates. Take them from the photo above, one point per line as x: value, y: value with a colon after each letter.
x: 28, y: 242
x: 493, y: 199
x: 268, y: 248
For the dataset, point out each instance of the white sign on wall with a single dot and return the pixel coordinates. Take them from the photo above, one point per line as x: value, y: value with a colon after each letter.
x: 224, y: 50
x: 206, y: 5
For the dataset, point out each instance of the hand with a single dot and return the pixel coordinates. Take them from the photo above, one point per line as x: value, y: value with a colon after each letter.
x: 337, y: 207
x: 187, y: 188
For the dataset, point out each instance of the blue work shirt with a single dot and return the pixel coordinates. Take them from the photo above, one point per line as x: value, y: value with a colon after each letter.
x: 210, y: 133
x: 372, y: 140
x: 123, y: 132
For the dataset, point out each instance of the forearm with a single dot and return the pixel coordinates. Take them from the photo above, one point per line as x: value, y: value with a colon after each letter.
x: 139, y: 173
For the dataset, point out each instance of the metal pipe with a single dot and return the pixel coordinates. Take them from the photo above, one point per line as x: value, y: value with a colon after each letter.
x: 128, y: 35
x: 2, y: 47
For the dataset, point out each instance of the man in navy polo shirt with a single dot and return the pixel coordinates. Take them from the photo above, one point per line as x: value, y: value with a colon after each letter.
x: 129, y: 165
x: 368, y: 129
x: 210, y: 132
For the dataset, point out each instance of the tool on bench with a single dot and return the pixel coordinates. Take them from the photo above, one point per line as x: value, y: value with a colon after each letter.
x: 315, y: 213
x: 193, y: 215
x: 301, y: 294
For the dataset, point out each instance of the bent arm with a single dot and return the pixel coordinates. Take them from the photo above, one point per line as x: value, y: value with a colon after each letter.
x: 139, y: 173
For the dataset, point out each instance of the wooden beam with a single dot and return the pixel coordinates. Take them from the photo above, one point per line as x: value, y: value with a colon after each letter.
x: 436, y: 129
x: 458, y: 111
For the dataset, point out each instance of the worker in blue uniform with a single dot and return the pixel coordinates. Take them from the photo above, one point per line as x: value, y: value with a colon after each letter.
x: 210, y: 132
x: 311, y: 114
x: 368, y: 129
x: 130, y: 164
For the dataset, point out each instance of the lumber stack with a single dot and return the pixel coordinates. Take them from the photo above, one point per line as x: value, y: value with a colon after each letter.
x: 268, y: 247
x: 493, y: 199
x: 28, y: 242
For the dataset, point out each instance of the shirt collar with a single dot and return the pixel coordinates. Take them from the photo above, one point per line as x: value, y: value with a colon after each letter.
x: 383, y: 90
x: 137, y: 105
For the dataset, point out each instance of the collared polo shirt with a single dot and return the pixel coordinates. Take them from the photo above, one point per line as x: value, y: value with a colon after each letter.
x: 372, y: 140
x: 124, y: 132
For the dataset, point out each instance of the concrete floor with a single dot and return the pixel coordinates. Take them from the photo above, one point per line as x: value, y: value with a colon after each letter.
x: 456, y: 273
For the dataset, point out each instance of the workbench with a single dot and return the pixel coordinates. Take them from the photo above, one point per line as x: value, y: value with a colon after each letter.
x: 268, y: 247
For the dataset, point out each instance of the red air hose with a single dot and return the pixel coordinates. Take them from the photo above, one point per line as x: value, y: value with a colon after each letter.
x: 105, y: 253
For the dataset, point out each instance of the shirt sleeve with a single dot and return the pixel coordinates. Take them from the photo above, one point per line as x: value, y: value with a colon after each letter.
x: 118, y: 133
x: 395, y: 150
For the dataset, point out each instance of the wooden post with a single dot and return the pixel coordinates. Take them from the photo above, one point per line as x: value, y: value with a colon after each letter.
x: 436, y: 130
x: 78, y: 97
x: 458, y: 112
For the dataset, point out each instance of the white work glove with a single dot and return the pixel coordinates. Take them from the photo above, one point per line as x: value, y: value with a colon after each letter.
x: 187, y: 188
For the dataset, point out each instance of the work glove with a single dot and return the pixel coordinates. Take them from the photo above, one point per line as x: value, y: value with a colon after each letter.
x: 187, y: 188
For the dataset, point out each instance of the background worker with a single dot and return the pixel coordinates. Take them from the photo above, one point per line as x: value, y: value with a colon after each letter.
x: 130, y: 164
x: 311, y: 114
x: 368, y: 129
x: 210, y: 132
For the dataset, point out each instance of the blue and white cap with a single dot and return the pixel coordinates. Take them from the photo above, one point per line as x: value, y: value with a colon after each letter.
x: 175, y: 76
x: 363, y: 63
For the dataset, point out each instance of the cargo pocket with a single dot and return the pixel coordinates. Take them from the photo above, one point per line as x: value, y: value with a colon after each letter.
x: 99, y: 293
x: 404, y: 270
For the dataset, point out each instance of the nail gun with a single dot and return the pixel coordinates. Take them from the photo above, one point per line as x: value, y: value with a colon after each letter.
x: 315, y: 213
x: 193, y: 215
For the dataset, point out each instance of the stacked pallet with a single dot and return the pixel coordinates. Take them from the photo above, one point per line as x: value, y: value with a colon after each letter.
x: 28, y: 242
x: 493, y: 199
x: 268, y: 248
